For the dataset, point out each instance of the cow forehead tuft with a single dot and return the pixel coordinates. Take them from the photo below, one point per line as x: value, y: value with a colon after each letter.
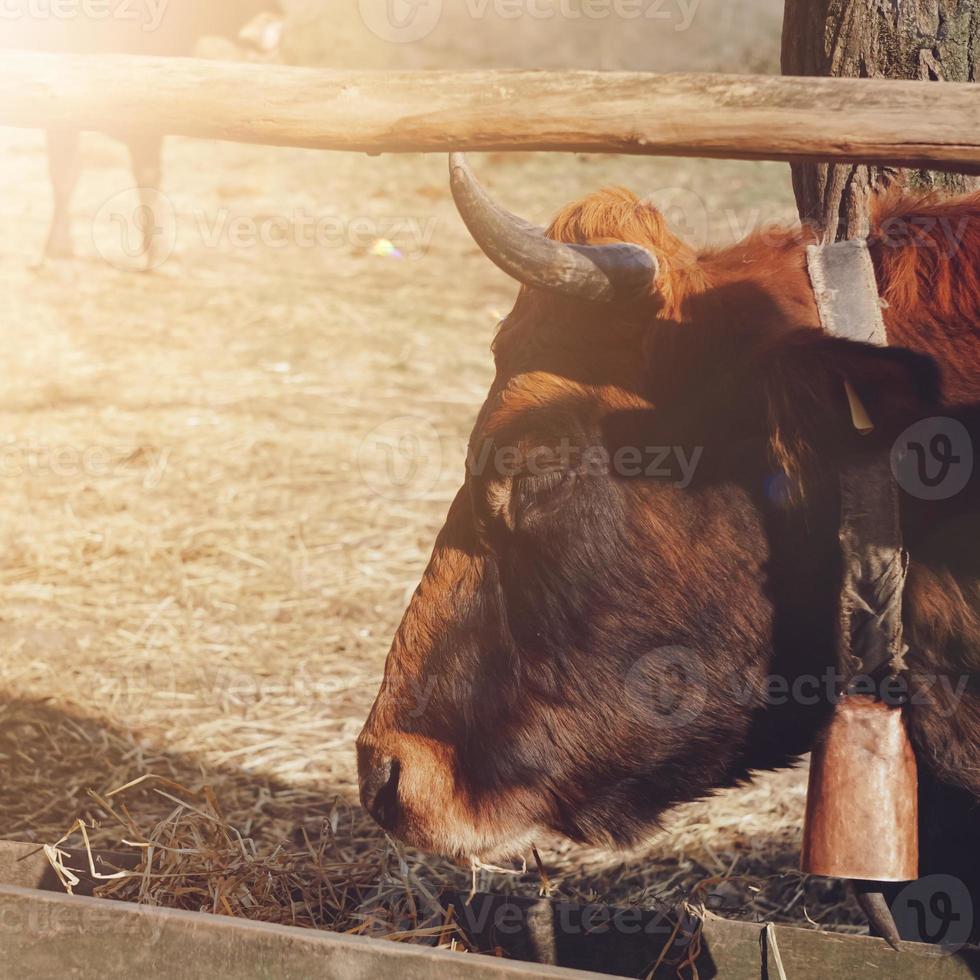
x: 536, y: 391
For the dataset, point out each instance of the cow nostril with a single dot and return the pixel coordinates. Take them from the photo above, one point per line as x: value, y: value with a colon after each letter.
x: 379, y: 791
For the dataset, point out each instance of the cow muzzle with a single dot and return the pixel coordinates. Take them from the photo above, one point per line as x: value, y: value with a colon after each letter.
x: 410, y: 785
x: 379, y: 775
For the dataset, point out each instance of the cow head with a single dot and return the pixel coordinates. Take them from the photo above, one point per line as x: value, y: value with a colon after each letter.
x: 646, y: 533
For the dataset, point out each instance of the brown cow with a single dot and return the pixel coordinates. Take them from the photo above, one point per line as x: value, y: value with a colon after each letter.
x: 598, y: 638
x: 162, y: 28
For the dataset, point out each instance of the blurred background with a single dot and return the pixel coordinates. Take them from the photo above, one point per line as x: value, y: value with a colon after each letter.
x: 203, y: 553
x: 702, y: 35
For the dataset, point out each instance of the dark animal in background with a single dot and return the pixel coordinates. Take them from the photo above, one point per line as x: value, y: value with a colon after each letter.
x: 165, y: 28
x: 588, y: 646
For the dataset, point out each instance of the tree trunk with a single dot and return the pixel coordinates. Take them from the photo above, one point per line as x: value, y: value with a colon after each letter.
x: 931, y: 40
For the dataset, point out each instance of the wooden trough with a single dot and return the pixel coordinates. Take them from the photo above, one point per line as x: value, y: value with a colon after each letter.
x: 46, y: 933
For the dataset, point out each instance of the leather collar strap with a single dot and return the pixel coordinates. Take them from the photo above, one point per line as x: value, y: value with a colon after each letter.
x: 875, y: 564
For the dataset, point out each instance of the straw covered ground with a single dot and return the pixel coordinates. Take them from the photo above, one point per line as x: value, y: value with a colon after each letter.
x: 205, y: 555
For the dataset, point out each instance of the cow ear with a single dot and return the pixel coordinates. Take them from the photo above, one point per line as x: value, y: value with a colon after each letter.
x: 828, y: 398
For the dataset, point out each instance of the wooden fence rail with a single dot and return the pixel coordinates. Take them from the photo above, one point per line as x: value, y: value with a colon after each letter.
x: 748, y: 117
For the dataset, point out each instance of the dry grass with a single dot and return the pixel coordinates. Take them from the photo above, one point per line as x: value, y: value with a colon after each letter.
x: 335, y: 877
x: 340, y: 875
x: 202, y: 565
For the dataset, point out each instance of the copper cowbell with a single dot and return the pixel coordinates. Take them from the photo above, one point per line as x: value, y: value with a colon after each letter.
x: 862, y: 817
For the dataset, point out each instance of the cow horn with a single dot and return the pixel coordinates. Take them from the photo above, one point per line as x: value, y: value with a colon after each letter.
x: 595, y: 272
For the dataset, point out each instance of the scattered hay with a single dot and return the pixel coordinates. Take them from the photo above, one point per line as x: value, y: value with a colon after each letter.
x: 194, y: 859
x: 342, y: 876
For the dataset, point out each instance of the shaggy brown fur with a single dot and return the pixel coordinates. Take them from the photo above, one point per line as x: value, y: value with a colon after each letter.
x: 606, y: 643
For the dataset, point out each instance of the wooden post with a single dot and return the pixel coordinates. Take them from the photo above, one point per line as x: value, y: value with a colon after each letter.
x: 935, y: 43
x: 926, y: 40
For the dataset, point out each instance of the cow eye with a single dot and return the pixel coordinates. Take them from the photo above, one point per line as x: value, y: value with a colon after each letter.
x: 537, y: 495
